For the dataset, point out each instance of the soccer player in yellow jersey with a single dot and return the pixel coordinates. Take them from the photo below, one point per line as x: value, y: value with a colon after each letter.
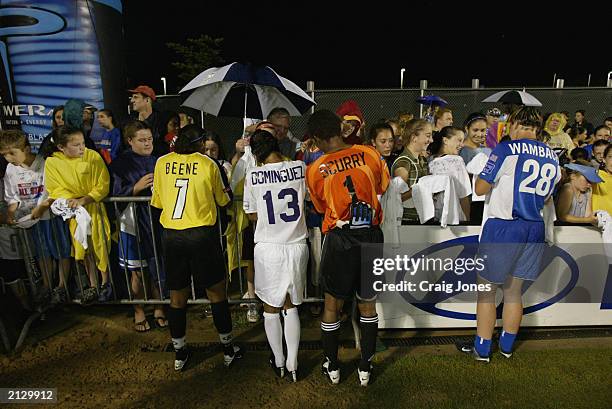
x: 188, y: 188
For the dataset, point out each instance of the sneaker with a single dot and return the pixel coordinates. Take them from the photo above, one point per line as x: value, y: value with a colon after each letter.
x: 468, y: 348
x: 106, y: 292
x: 279, y: 371
x: 292, y: 376
x: 252, y: 313
x: 181, y: 357
x: 506, y: 354
x: 364, y: 376
x: 89, y: 295
x: 228, y: 360
x: 334, y: 376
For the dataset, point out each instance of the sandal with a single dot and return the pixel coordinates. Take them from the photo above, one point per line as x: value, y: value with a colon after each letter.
x: 142, y: 326
x: 161, y: 322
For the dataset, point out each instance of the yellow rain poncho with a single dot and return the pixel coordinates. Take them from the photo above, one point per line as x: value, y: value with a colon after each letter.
x: 558, y: 139
x: 73, y: 178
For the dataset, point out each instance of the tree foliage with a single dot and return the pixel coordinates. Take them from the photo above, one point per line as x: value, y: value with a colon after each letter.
x: 195, y: 55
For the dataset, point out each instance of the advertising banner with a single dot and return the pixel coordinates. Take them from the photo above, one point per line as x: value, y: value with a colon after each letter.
x: 55, y: 50
x: 430, y: 279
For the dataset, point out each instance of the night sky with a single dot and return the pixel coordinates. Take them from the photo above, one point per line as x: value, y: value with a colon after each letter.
x: 502, y: 43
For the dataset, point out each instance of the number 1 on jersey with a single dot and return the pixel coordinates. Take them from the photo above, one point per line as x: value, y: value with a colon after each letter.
x: 179, y: 206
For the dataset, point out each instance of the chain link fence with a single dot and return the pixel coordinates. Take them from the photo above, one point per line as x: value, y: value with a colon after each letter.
x: 386, y: 103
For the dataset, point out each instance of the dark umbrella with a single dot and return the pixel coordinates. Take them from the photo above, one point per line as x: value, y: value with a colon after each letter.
x: 245, y: 91
x: 514, y: 97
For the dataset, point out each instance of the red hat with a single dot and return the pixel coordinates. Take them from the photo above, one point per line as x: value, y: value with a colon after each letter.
x: 144, y: 90
x: 350, y: 111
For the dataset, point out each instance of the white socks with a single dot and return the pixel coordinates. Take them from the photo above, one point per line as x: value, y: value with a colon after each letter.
x: 178, y: 343
x: 292, y: 337
x: 274, y: 332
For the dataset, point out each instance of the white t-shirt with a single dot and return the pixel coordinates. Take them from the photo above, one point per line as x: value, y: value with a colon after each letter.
x: 25, y: 185
x: 453, y: 166
x: 276, y: 192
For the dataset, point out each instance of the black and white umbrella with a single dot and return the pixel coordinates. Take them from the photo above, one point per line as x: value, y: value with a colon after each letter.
x: 514, y: 97
x: 245, y: 91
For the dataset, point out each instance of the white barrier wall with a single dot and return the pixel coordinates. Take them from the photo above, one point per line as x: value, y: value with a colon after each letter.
x: 573, y: 277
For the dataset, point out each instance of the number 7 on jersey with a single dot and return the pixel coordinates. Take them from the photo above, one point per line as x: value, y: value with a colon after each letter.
x: 179, y: 206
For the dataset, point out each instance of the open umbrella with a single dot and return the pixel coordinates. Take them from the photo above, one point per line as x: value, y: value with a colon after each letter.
x: 432, y: 100
x: 245, y: 91
x: 514, y: 97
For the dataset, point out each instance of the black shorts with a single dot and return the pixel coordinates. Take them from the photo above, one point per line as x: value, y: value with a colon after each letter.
x: 12, y: 270
x: 193, y: 252
x: 342, y: 263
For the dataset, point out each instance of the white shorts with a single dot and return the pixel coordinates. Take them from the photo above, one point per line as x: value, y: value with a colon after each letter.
x: 280, y: 269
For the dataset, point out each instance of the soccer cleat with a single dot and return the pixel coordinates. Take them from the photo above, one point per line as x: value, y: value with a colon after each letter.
x: 334, y: 376
x: 228, y: 360
x: 506, y: 354
x: 364, y: 376
x: 279, y: 371
x: 468, y: 348
x: 181, y: 357
x: 292, y: 376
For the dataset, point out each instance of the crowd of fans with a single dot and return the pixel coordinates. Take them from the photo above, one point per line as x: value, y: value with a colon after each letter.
x: 88, y: 157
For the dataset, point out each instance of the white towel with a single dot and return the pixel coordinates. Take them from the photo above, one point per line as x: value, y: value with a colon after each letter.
x: 474, y: 168
x: 422, y: 194
x: 83, y: 219
x: 393, y: 210
x: 549, y: 215
x: 604, y: 222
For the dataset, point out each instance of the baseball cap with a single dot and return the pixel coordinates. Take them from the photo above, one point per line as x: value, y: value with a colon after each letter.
x: 144, y: 90
x: 588, y: 172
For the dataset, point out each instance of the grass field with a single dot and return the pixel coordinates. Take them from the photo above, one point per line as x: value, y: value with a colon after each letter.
x: 98, y: 361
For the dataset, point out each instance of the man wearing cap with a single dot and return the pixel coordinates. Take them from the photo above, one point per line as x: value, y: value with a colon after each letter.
x: 142, y: 100
x: 493, y: 115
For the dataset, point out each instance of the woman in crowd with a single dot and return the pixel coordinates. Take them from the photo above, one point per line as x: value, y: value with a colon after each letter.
x: 172, y: 122
x: 475, y: 127
x: 79, y: 175
x: 579, y: 136
x: 381, y: 137
x: 411, y: 165
x: 446, y: 161
x: 557, y: 137
x: 602, y: 192
x: 443, y: 117
x: 110, y: 144
x: 214, y: 149
x: 574, y: 201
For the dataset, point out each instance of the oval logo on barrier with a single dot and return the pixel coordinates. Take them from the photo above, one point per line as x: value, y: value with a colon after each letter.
x: 469, y: 246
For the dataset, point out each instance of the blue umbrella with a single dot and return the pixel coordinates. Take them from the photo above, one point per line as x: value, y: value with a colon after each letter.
x: 246, y: 91
x: 432, y: 100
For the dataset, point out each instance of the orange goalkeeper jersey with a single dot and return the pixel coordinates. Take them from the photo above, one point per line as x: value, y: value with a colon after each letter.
x: 335, y: 178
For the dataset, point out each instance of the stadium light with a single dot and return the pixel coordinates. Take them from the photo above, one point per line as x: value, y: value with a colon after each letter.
x: 402, y: 78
